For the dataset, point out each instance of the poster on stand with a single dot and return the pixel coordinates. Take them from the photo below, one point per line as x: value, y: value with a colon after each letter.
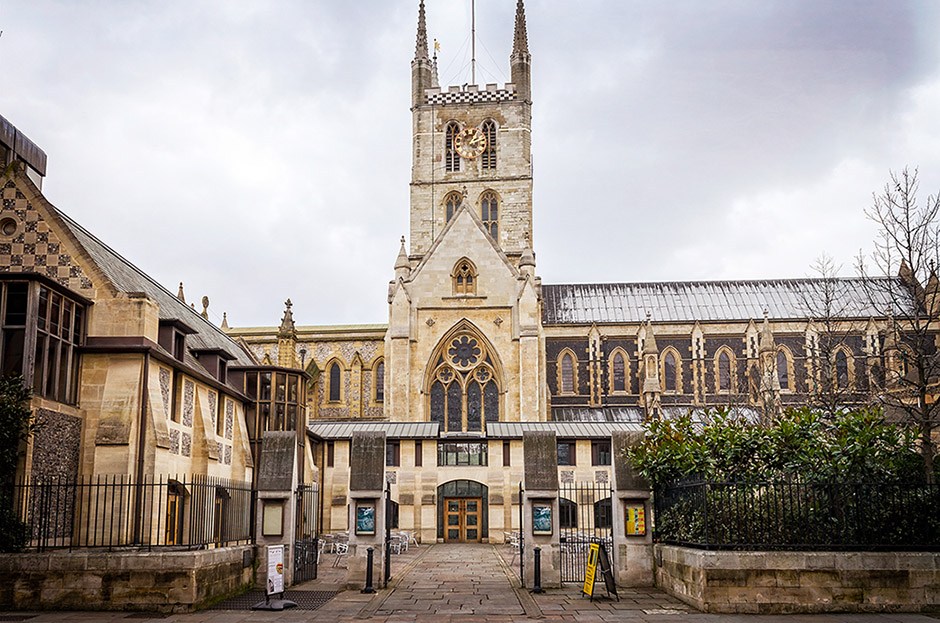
x: 275, y: 569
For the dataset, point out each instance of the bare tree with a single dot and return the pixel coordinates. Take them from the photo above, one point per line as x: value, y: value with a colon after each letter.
x: 903, y: 281
x: 833, y: 311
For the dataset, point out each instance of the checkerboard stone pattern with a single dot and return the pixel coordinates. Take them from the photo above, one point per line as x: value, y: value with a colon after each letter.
x: 35, y: 248
x: 469, y: 97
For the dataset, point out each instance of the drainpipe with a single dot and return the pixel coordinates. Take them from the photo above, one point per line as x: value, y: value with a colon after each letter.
x: 141, y: 447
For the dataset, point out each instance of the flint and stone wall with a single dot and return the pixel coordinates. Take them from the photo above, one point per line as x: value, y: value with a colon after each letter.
x: 790, y: 582
x: 99, y: 580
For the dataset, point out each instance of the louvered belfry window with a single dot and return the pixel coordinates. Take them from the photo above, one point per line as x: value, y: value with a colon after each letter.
x: 488, y: 158
x: 451, y: 157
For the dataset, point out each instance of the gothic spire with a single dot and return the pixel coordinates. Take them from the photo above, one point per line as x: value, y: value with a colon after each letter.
x: 421, y: 46
x: 287, y: 322
x: 520, y: 41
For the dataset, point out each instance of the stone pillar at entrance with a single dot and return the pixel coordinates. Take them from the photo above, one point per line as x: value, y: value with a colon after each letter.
x: 366, y: 507
x: 276, y: 509
x: 634, y: 542
x: 540, y: 511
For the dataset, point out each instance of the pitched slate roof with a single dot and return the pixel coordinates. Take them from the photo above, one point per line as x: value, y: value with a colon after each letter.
x: 128, y: 278
x: 688, y: 301
x: 565, y: 430
x: 392, y: 430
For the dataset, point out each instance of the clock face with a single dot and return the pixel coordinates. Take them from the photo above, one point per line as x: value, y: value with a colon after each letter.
x: 470, y: 143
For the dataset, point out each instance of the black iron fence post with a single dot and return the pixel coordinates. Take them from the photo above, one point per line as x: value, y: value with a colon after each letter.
x: 537, y: 569
x: 521, y: 537
x: 388, y: 535
x: 369, y: 562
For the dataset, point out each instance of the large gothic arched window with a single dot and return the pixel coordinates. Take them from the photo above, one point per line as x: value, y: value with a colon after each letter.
x: 671, y: 371
x: 489, y: 213
x: 464, y: 390
x: 488, y: 158
x: 336, y: 380
x: 451, y: 157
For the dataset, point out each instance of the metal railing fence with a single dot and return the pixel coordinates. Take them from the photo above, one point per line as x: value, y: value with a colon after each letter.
x: 794, y: 515
x: 119, y: 512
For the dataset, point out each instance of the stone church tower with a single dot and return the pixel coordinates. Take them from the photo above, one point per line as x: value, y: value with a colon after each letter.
x: 464, y: 340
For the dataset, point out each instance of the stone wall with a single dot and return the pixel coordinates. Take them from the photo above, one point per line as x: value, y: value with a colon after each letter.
x: 100, y: 580
x: 789, y: 582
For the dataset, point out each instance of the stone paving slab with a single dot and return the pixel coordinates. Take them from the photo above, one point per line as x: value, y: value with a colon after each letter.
x: 446, y: 583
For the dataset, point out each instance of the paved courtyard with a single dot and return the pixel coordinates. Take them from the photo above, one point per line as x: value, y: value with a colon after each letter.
x: 446, y: 583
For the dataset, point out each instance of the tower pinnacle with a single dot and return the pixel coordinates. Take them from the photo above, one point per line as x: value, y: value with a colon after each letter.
x: 520, y: 42
x: 421, y: 45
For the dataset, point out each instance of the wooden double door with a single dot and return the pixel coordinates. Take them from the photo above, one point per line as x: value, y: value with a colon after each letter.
x: 462, y: 520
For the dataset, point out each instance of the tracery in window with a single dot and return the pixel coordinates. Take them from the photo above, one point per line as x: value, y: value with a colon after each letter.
x: 451, y: 157
x: 489, y: 213
x: 488, y: 158
x: 567, y: 378
x: 451, y: 203
x: 464, y: 390
x: 465, y: 278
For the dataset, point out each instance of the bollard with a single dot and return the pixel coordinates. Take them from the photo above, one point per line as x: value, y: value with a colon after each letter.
x: 537, y: 569
x: 368, y: 588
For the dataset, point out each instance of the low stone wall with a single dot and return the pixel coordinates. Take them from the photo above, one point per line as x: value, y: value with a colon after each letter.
x: 162, y: 581
x: 789, y: 582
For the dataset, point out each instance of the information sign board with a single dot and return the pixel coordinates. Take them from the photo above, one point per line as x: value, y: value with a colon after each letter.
x: 275, y: 569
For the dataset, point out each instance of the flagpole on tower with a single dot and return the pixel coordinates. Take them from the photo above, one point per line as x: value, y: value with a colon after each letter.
x: 473, y: 42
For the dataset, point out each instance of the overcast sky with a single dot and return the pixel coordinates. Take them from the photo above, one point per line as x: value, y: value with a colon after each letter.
x: 261, y: 150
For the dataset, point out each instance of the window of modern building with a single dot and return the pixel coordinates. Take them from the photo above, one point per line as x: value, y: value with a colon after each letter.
x: 567, y: 513
x: 465, y: 278
x: 600, y: 453
x: 451, y: 157
x: 451, y: 203
x: 419, y: 453
x: 507, y: 454
x: 393, y: 453
x: 336, y: 380
x: 603, y: 514
x: 461, y: 453
x: 489, y: 213
x: 488, y: 158
x: 379, y: 381
x: 60, y: 331
x: 393, y: 511
x: 175, y: 499
x: 567, y: 453
x: 330, y: 453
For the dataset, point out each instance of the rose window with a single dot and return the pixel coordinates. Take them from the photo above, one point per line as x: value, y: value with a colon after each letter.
x: 464, y: 351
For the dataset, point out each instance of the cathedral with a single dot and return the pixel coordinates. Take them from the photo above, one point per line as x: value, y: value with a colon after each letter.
x: 478, y: 350
x: 129, y: 378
